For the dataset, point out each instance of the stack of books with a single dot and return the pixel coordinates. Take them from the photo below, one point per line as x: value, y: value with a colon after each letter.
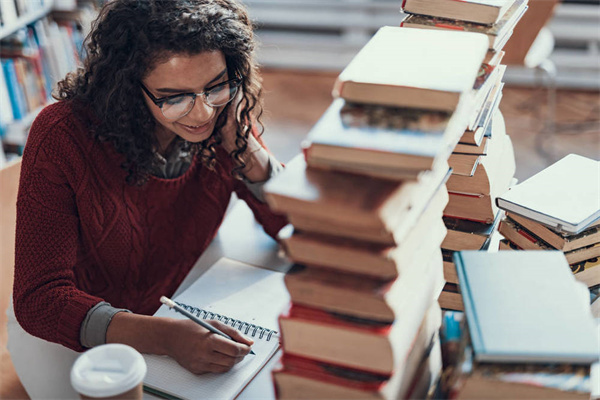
x: 483, y: 162
x: 365, y: 203
x: 558, y: 209
x: 523, y: 339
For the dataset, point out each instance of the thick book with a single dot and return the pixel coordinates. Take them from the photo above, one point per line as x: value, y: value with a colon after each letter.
x: 240, y: 295
x: 381, y: 141
x: 400, y: 67
x: 302, y: 378
x: 563, y: 196
x: 485, y: 12
x: 356, y: 295
x: 378, y: 260
x: 354, y: 344
x: 495, y: 32
x: 514, y: 318
x: 469, y: 235
x: 353, y: 203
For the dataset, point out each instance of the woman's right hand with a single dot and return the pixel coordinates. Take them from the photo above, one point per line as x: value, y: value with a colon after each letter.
x: 199, y: 350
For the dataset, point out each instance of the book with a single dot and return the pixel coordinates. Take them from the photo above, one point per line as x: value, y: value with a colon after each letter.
x: 303, y: 378
x: 360, y: 296
x: 495, y: 32
x: 563, y: 196
x: 381, y: 141
x: 6, y: 111
x: 469, y: 235
x: 246, y: 297
x: 383, y: 261
x: 355, y: 204
x: 485, y: 12
x: 463, y: 164
x: 509, y: 312
x: 557, y: 240
x: 376, y: 349
x: 450, y: 298
x: 528, y: 240
x: 400, y: 67
x: 487, y: 98
x: 472, y: 148
x: 494, y: 170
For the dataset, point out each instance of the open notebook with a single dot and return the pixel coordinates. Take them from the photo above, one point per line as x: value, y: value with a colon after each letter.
x: 244, y: 296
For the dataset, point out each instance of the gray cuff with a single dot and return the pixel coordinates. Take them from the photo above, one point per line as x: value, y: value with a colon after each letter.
x: 256, y: 188
x: 94, y: 326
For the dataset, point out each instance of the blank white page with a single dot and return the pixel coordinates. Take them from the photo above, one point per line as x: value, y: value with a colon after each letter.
x: 239, y: 291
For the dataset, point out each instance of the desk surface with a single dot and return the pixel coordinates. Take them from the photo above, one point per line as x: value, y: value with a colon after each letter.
x: 241, y: 238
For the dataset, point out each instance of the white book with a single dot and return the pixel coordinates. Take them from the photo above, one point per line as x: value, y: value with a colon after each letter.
x: 241, y: 295
x: 565, y: 196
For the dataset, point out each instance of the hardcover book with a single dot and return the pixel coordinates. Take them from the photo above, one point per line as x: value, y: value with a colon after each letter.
x: 485, y: 12
x: 563, y: 196
x: 400, y: 67
x: 509, y: 312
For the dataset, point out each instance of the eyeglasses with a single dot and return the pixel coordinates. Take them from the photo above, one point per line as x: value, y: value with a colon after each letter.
x: 179, y: 105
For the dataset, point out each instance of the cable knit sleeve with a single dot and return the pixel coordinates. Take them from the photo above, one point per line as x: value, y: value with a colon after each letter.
x: 46, y: 300
x: 271, y: 221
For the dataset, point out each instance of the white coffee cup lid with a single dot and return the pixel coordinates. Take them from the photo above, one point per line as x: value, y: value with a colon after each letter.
x: 108, y: 370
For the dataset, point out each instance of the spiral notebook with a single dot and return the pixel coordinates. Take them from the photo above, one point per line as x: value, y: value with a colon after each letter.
x: 240, y: 295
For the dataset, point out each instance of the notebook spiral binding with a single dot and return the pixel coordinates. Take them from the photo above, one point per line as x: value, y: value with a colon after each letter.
x: 242, y: 326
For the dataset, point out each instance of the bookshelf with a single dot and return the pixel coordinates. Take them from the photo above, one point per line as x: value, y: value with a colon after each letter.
x: 26, y: 19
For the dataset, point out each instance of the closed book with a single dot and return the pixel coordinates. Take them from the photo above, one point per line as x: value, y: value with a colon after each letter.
x: 494, y: 170
x: 400, y: 67
x: 487, y: 97
x: 351, y: 201
x: 563, y: 196
x: 557, y: 240
x: 381, y: 141
x: 302, y: 378
x: 450, y: 298
x: 472, y: 149
x: 512, y: 317
x: 495, y: 32
x: 485, y: 12
x: 376, y: 349
x: 6, y: 111
x: 469, y: 235
x: 463, y: 164
x: 15, y: 92
x: 356, y: 295
x: 361, y: 257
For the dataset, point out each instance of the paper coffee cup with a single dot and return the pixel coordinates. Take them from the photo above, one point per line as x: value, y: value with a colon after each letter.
x: 107, y: 371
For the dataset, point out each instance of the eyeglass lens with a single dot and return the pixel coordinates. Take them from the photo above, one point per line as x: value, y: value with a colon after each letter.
x: 179, y: 106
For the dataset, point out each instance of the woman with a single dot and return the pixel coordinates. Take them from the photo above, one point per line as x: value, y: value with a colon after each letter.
x: 126, y: 179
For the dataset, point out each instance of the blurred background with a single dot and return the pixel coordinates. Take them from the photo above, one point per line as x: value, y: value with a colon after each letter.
x: 551, y: 100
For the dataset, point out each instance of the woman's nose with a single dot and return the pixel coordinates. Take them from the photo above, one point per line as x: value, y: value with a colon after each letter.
x: 201, y: 112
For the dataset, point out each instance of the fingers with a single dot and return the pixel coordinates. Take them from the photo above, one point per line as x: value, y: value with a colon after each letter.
x: 234, y: 333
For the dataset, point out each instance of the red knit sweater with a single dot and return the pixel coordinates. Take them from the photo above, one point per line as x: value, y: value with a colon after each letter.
x: 84, y: 235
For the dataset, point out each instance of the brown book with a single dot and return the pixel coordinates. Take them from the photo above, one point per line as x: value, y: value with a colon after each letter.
x: 463, y: 164
x: 486, y: 12
x: 374, y: 259
x: 557, y: 240
x: 496, y: 32
x: 473, y: 137
x: 376, y: 349
x: 392, y: 69
x: 379, y: 141
x: 450, y: 274
x: 357, y: 295
x: 450, y: 298
x: 303, y: 378
x: 469, y: 235
x: 494, y: 171
x: 472, y: 149
x: 350, y: 205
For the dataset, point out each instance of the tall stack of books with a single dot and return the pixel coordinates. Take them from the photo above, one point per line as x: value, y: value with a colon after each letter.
x: 530, y: 333
x: 365, y: 203
x: 483, y: 162
x: 558, y: 209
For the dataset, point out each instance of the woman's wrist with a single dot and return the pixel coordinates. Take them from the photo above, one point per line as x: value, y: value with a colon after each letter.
x: 144, y: 333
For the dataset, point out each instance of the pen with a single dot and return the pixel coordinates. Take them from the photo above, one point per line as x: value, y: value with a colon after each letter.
x: 171, y: 304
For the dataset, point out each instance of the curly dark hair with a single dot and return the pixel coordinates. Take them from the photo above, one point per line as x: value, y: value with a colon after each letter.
x: 127, y: 40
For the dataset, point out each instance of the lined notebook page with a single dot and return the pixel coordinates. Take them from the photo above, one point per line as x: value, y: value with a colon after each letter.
x: 239, y: 291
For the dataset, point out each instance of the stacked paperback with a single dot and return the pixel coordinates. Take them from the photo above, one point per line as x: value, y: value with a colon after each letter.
x: 483, y: 162
x: 524, y: 339
x: 558, y: 209
x: 365, y: 203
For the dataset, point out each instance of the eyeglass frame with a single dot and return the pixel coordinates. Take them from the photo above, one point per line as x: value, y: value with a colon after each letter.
x: 160, y: 101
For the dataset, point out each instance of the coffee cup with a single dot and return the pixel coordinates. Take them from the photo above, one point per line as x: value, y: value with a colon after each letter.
x: 110, y: 371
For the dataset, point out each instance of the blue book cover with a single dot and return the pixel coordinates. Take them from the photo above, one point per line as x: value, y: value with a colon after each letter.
x: 526, y: 307
x: 17, y: 98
